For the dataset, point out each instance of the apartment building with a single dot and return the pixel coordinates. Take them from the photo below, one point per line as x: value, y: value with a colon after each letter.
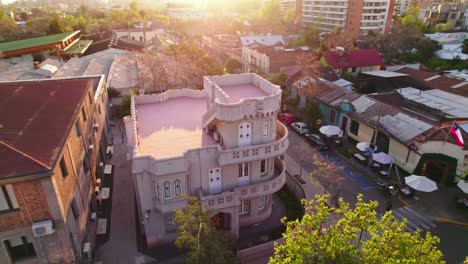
x: 270, y: 59
x: 222, y: 144
x: 356, y: 17
x: 52, y: 134
x: 455, y: 14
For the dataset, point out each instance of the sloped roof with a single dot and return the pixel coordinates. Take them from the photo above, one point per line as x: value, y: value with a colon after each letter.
x: 267, y: 40
x: 34, y: 42
x: 35, y: 119
x: 353, y: 58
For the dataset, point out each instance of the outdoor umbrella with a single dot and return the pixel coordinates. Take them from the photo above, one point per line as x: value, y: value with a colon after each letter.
x: 463, y: 185
x: 382, y: 158
x: 330, y: 130
x: 363, y: 145
x: 421, y: 183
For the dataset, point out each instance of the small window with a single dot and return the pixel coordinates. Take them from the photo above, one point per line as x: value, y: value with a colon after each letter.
x: 266, y: 128
x: 169, y: 222
x: 63, y: 168
x: 177, y: 188
x: 332, y: 116
x: 244, y: 207
x: 263, y: 166
x: 83, y: 113
x: 167, y: 190
x: 261, y: 203
x: 75, y: 210
x: 99, y: 108
x: 354, y: 127
x: 90, y: 98
x: 77, y: 129
x: 156, y: 189
x: 19, y: 249
x: 85, y: 164
x: 7, y: 198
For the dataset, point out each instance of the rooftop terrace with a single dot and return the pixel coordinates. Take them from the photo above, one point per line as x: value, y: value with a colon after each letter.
x: 167, y: 129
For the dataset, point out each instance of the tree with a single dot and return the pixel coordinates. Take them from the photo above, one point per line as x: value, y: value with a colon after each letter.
x: 278, y: 79
x: 8, y: 27
x: 153, y: 74
x: 337, y: 38
x: 334, y: 235
x: 426, y: 48
x: 55, y: 27
x: 205, y: 242
x: 465, y: 46
x: 233, y: 66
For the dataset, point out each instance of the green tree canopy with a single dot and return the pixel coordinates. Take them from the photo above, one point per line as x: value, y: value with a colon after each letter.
x: 427, y: 47
x: 233, y: 66
x: 196, y: 233
x: 55, y: 27
x: 333, y: 235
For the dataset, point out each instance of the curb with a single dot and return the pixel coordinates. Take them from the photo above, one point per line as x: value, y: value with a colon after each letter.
x: 369, y: 175
x: 445, y: 220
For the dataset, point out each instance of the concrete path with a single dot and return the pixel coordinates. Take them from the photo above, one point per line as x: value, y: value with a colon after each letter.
x: 121, y: 247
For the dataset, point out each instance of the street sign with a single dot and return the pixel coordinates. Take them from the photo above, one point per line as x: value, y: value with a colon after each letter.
x: 367, y: 151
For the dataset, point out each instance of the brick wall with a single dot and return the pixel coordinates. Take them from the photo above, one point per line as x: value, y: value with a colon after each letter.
x: 32, y: 206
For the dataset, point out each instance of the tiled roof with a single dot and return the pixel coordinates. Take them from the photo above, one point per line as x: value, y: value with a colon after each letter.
x: 35, y: 118
x: 353, y: 58
x: 435, y: 81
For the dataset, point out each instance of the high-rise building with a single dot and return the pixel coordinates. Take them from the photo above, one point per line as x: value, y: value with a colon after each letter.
x: 222, y: 144
x: 356, y: 17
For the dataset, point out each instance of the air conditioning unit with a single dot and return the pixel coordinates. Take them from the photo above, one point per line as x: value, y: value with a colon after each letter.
x: 90, y: 147
x: 96, y: 126
x: 43, y: 228
x: 97, y: 191
x: 87, y: 254
x: 93, y: 217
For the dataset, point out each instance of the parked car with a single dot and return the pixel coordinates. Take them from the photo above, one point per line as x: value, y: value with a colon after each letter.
x: 300, y: 127
x: 287, y: 118
x: 316, y: 141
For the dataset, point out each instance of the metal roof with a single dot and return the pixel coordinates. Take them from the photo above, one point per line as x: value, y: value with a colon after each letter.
x: 385, y: 74
x: 452, y: 105
x: 402, y: 126
x: 362, y: 103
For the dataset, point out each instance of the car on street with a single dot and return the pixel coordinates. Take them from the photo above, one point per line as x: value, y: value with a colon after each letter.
x: 316, y: 141
x: 300, y: 127
x: 287, y: 118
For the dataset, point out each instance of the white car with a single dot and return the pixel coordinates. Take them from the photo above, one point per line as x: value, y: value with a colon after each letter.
x: 300, y: 127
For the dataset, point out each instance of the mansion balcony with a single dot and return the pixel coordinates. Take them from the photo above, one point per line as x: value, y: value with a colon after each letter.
x: 233, y: 197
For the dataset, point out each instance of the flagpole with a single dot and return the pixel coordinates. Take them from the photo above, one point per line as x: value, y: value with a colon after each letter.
x: 449, y: 131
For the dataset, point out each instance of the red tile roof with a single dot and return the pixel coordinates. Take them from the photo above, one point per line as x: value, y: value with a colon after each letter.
x: 353, y: 58
x: 35, y: 119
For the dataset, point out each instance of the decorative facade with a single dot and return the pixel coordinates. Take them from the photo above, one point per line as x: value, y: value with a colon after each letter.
x: 222, y: 144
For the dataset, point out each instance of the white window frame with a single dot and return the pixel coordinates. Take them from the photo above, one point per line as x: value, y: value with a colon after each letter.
x: 261, y: 203
x: 265, y: 161
x: 243, y: 169
x: 266, y: 127
x: 244, y: 207
x: 8, y: 198
x: 177, y: 188
x: 167, y: 187
x: 156, y: 189
x: 169, y: 222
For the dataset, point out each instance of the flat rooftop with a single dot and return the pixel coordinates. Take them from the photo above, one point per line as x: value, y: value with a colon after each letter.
x: 241, y: 91
x: 167, y: 129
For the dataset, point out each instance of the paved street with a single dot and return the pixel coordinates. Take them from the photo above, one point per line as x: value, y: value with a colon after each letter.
x: 354, y: 182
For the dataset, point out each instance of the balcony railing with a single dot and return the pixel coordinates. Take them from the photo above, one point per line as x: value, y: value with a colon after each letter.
x: 233, y: 198
x: 257, y: 152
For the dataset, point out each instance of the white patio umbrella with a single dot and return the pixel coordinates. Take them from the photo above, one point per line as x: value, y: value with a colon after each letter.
x: 363, y: 145
x: 330, y: 130
x: 382, y: 158
x: 421, y: 183
x: 463, y: 185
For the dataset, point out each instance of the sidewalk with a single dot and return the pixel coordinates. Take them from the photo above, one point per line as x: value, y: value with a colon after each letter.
x: 121, y: 247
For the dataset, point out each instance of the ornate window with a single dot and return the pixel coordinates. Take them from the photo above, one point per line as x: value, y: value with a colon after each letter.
x: 266, y: 127
x: 263, y: 166
x: 167, y: 190
x: 244, y: 207
x: 178, y: 188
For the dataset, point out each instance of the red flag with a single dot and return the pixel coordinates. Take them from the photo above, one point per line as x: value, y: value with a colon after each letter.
x: 456, y: 131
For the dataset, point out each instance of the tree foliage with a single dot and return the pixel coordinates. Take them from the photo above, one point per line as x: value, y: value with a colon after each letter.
x: 465, y: 46
x: 233, y: 66
x: 55, y: 27
x: 334, y: 235
x: 8, y: 28
x: 196, y: 233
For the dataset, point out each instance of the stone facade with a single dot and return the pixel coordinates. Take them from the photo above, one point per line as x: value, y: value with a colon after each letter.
x: 234, y: 177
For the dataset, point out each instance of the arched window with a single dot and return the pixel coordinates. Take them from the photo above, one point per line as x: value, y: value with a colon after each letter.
x: 167, y: 190
x: 178, y: 188
x: 266, y: 127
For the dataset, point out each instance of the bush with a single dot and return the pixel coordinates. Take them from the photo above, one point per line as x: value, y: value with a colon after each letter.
x: 113, y: 92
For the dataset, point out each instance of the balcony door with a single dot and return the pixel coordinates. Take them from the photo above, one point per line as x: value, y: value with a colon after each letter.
x: 245, y: 134
x: 244, y: 178
x: 214, y: 178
